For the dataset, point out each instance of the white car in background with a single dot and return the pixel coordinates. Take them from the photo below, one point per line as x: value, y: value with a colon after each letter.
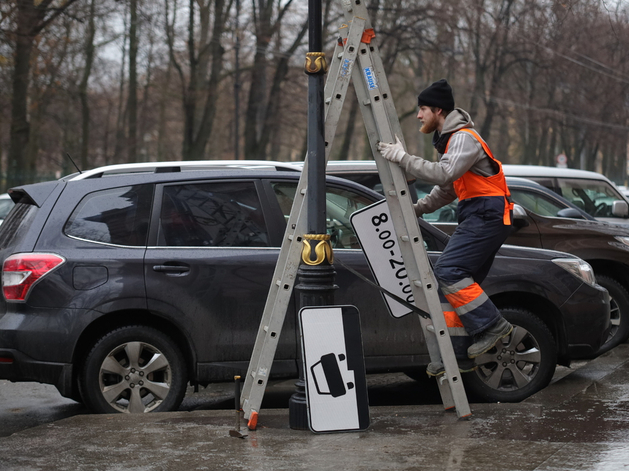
x: 592, y: 192
x: 6, y: 204
x: 624, y: 190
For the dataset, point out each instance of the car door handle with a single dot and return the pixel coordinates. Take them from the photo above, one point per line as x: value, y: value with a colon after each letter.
x: 174, y: 269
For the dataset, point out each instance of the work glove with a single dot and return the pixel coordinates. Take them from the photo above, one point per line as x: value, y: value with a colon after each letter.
x: 418, y: 212
x: 392, y: 152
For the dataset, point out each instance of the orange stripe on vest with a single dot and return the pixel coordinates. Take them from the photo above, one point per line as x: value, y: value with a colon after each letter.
x: 472, y: 185
x: 452, y: 319
x: 464, y: 296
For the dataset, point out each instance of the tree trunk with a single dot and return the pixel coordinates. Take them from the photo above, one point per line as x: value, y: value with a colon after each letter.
x: 132, y: 103
x: 121, y: 116
x: 257, y: 92
x: 344, y: 149
x: 87, y: 70
x: 20, y: 127
x: 144, y: 120
x: 161, y: 127
x: 217, y: 51
x: 31, y: 20
x: 272, y: 114
x: 189, y: 99
x: 257, y: 89
x: 262, y: 107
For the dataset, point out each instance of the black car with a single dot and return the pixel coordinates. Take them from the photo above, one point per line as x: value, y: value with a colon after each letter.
x: 123, y: 284
x: 549, y: 221
x: 544, y: 220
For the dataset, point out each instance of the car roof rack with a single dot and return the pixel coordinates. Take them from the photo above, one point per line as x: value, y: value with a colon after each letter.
x: 183, y: 166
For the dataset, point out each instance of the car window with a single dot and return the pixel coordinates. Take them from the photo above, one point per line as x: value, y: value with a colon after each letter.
x: 539, y: 204
x: 370, y: 180
x: 447, y: 213
x: 212, y: 215
x: 549, y: 183
x: 595, y: 197
x: 18, y: 219
x: 6, y: 205
x: 116, y: 216
x: 340, y: 204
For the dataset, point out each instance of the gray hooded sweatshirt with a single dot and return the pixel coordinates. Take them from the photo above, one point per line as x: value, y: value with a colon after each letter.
x: 464, y: 153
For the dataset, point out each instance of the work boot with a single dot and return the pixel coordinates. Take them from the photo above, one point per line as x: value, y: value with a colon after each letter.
x: 488, y: 338
x: 436, y: 368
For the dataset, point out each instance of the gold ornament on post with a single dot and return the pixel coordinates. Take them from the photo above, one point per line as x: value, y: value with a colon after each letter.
x: 315, y: 63
x: 323, y: 249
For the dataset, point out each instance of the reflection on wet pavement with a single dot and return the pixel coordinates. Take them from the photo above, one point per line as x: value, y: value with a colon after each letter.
x: 578, y: 423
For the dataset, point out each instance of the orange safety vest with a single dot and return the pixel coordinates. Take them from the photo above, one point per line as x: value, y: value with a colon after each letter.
x: 472, y: 185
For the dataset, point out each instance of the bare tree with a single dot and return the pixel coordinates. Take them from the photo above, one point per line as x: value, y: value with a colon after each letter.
x: 132, y: 97
x: 31, y: 19
x: 535, y: 85
x: 267, y: 18
x: 87, y: 70
x: 203, y: 71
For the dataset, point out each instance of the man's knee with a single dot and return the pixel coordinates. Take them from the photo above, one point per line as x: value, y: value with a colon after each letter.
x: 447, y: 276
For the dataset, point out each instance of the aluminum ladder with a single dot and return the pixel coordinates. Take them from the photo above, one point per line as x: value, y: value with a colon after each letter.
x: 356, y: 57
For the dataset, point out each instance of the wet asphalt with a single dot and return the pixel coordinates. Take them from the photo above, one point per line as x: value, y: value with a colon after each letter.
x: 580, y: 422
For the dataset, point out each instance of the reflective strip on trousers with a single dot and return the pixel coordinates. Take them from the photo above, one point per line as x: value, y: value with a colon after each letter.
x: 458, y: 335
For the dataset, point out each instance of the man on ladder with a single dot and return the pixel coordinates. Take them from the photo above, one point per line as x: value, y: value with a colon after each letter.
x: 466, y: 170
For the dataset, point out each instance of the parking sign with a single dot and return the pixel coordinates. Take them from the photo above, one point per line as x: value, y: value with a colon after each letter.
x: 334, y: 369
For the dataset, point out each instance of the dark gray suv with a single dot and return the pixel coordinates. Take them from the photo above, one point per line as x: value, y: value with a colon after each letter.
x: 123, y: 285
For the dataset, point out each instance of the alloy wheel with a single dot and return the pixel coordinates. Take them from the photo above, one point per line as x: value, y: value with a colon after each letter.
x: 512, y: 363
x: 135, y: 377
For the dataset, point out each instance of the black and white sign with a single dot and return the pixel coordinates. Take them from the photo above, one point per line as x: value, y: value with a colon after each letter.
x: 334, y: 369
x: 376, y: 234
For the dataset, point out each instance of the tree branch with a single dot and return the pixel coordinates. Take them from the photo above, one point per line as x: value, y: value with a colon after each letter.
x: 56, y: 12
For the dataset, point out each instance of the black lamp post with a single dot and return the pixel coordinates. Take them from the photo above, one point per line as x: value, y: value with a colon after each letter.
x: 237, y: 85
x: 316, y: 273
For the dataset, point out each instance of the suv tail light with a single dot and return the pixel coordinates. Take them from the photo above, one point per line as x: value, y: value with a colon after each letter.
x: 21, y: 271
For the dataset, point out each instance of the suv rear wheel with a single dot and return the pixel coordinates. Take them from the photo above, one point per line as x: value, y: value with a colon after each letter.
x: 133, y: 369
x: 519, y: 365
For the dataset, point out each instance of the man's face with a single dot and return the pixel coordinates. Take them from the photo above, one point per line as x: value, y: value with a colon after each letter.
x: 430, y: 120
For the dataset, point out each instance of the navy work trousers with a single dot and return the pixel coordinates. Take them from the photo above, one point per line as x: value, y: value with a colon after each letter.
x: 467, y: 258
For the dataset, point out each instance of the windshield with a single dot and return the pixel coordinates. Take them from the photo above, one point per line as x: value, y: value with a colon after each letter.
x: 536, y: 203
x: 595, y: 197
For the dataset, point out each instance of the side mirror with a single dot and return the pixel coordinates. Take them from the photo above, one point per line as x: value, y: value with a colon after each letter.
x: 570, y: 213
x: 520, y: 218
x: 620, y: 209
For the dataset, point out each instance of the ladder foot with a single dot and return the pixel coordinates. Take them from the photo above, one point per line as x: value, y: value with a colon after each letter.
x: 253, y: 420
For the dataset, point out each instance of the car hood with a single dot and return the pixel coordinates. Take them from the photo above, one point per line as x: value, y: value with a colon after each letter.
x: 531, y: 253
